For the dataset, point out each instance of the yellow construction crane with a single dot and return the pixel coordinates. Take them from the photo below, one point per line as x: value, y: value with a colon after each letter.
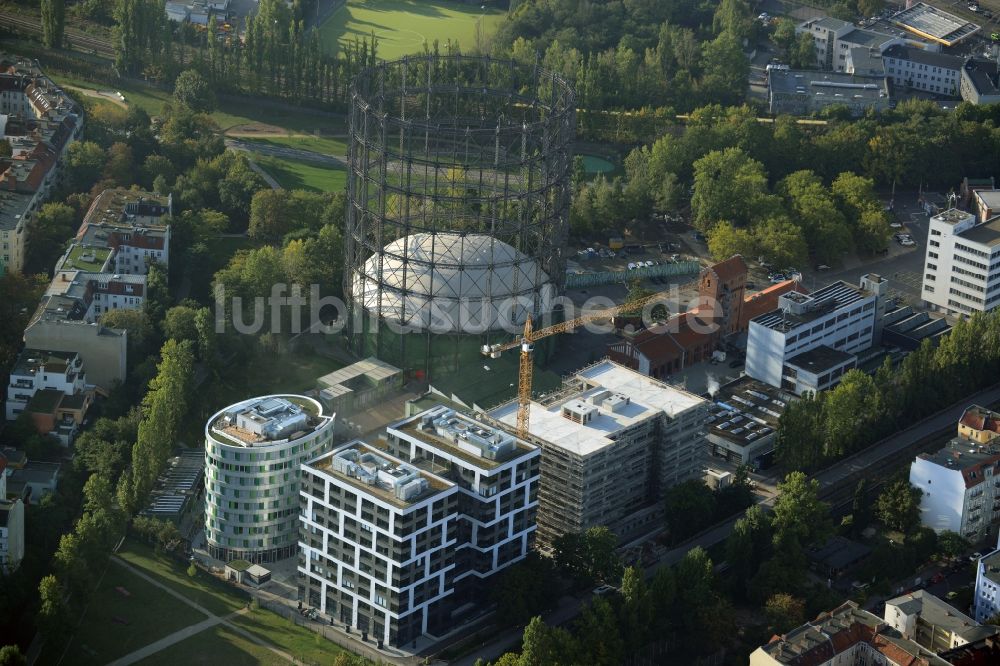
x: 527, y: 344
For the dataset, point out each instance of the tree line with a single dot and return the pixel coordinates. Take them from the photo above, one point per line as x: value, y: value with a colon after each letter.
x: 863, y: 409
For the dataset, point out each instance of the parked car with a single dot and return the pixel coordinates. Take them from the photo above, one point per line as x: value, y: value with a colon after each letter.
x: 650, y: 264
x: 631, y: 266
x: 775, y: 278
x: 822, y: 267
x: 975, y: 556
x: 604, y: 590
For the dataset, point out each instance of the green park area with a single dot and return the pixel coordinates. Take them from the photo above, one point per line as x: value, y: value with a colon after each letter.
x: 402, y: 27
x: 128, y: 612
x: 294, y: 174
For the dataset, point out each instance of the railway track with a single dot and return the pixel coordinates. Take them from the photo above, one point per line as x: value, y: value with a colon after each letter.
x: 77, y: 39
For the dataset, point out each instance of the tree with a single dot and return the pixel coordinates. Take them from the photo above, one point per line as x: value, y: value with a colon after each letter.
x: 53, y: 22
x: 951, y: 544
x: 136, y: 322
x: 194, y: 92
x: 119, y: 168
x: 781, y: 242
x: 6, y: 150
x: 53, y: 616
x: 728, y: 186
x: 803, y: 55
x: 869, y: 8
x: 726, y: 70
x: 600, y: 640
x: 784, y: 37
x: 798, y: 512
x: 179, y: 324
x: 47, y: 234
x: 525, y: 589
x: 637, y: 607
x: 10, y: 655
x: 898, y: 506
x: 748, y: 545
x: 543, y: 645
x: 784, y: 612
x: 690, y: 507
x: 725, y: 240
x: 84, y: 164
x: 588, y: 556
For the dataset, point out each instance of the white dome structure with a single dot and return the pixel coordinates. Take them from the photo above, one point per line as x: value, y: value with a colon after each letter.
x: 453, y: 283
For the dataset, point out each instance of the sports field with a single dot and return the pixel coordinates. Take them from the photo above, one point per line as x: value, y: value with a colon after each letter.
x: 402, y: 26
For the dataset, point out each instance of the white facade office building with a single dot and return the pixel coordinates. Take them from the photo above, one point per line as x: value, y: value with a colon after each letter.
x: 371, y: 557
x: 962, y: 265
x: 809, y: 341
x: 254, y: 451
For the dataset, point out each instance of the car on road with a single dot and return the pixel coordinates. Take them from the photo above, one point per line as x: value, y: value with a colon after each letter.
x: 896, y: 225
x: 776, y: 278
x: 650, y: 263
x: 631, y: 266
x: 604, y: 590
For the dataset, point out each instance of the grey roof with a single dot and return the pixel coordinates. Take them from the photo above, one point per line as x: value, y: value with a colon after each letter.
x: 867, y: 62
x: 991, y: 566
x: 828, y: 85
x: 983, y: 75
x: 866, y: 38
x: 940, y: 614
x: 830, y: 23
x: 987, y: 233
x: 820, y: 359
x: 839, y: 294
x: 931, y: 21
x: 924, y: 57
x: 962, y: 454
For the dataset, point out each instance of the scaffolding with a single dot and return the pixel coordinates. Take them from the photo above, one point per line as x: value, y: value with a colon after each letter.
x: 458, y: 204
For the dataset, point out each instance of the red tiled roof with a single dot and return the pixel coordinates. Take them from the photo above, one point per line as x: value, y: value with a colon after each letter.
x: 730, y: 268
x: 978, y: 418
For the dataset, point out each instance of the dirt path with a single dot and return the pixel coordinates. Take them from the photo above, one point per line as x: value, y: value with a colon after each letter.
x: 99, y: 94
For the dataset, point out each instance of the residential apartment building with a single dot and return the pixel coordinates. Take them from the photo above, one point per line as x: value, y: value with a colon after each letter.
x: 254, y: 451
x: 933, y: 624
x: 919, y: 69
x: 845, y: 635
x: 39, y: 122
x: 980, y: 83
x: 961, y: 482
x: 378, y: 544
x: 478, y: 483
x: 128, y: 228
x: 962, y: 264
x: 986, y: 599
x: 809, y: 341
x: 51, y: 387
x: 497, y: 476
x: 612, y: 441
x: 11, y: 526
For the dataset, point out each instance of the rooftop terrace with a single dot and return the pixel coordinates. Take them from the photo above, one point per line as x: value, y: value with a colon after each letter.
x: 84, y: 258
x: 267, y: 421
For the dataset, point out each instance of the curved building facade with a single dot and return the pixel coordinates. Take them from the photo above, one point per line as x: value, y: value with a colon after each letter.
x: 253, y: 455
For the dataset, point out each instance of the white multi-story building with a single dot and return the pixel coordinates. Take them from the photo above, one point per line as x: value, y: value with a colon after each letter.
x: 834, y: 40
x: 497, y: 477
x: 809, y: 341
x: 962, y: 265
x: 51, y: 387
x: 11, y: 525
x: 961, y: 482
x: 128, y: 228
x: 378, y: 543
x: 921, y: 69
x: 986, y: 600
x: 612, y: 441
x: 253, y: 454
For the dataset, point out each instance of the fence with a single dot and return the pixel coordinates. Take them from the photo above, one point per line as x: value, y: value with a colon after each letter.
x: 577, y: 280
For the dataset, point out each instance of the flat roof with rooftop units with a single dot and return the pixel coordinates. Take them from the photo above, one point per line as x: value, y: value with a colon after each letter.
x: 267, y: 421
x: 474, y: 442
x: 746, y: 410
x: 606, y: 399
x: 797, y: 309
x: 935, y: 24
x: 378, y: 474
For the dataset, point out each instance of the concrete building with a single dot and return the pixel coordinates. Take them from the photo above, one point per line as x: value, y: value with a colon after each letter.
x: 497, y: 476
x: 813, y: 335
x: 612, y: 441
x: 360, y: 384
x: 986, y: 599
x: 253, y: 454
x: 845, y: 635
x: 986, y: 204
x: 806, y: 92
x: 933, y: 624
x: 920, y: 69
x: 743, y: 421
x: 33, y: 481
x: 961, y: 482
x: 378, y: 543
x: 980, y: 83
x: 836, y: 41
x: 51, y: 387
x: 60, y: 324
x: 961, y: 273
x: 487, y: 477
x: 11, y: 526
x: 40, y: 122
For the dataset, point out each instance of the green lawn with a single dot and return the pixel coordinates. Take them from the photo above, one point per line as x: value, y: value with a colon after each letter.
x: 292, y: 372
x: 299, y: 175
x: 297, y: 641
x: 204, y: 590
x: 149, y: 612
x: 218, y: 646
x: 323, y: 145
x: 403, y: 26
